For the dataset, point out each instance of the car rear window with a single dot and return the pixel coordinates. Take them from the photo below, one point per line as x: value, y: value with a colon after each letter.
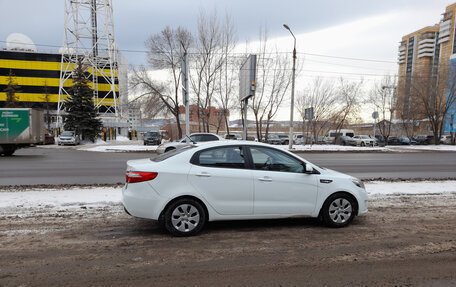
x: 170, y: 154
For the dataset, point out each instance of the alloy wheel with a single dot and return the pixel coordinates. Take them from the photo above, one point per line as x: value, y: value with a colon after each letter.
x: 340, y: 210
x: 185, y: 217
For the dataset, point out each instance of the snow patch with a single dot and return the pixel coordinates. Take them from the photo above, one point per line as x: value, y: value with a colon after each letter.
x: 119, y: 148
x: 411, y: 187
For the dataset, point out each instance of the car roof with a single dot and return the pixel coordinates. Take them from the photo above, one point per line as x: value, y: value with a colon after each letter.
x: 232, y: 143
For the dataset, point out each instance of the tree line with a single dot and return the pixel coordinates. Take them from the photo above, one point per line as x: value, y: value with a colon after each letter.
x: 213, y: 82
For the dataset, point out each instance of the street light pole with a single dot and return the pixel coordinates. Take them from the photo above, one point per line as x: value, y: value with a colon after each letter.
x: 290, y: 136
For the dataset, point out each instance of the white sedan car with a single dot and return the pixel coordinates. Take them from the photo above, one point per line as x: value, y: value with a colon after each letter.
x: 193, y: 138
x: 363, y: 140
x: 227, y: 180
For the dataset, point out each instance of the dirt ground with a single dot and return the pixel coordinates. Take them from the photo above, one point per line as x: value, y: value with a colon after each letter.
x: 403, y: 241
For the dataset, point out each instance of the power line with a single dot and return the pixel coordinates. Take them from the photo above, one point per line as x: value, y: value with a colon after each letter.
x: 232, y: 53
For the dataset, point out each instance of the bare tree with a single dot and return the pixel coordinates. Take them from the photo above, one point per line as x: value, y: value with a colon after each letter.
x: 273, y: 79
x: 437, y: 96
x: 348, y: 100
x: 227, y: 79
x: 320, y: 95
x: 277, y: 87
x: 408, y: 113
x: 164, y: 52
x: 208, y: 60
x: 382, y: 96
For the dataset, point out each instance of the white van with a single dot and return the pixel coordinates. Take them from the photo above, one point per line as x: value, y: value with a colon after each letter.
x: 331, y: 136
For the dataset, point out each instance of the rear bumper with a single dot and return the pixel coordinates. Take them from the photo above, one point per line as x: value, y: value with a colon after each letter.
x: 140, y: 200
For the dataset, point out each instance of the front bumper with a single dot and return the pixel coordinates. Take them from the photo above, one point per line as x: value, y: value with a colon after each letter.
x: 67, y: 141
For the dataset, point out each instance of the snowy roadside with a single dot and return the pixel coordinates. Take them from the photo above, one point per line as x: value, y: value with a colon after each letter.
x: 126, y: 145
x: 15, y: 202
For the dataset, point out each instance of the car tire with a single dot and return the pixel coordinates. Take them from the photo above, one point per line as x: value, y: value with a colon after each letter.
x: 338, y: 210
x: 363, y: 144
x: 184, y: 217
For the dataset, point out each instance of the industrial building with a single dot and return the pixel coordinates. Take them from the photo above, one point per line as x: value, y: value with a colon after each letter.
x: 38, y: 75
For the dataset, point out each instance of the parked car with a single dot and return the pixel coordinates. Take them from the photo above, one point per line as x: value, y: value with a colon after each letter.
x: 423, y: 139
x: 297, y: 139
x: 345, y: 140
x: 332, y: 135
x: 152, y: 138
x: 188, y: 187
x: 398, y: 141
x: 364, y: 140
x: 273, y: 139
x: 193, y: 138
x: 380, y: 140
x: 284, y: 139
x: 320, y: 140
x: 445, y: 139
x: 233, y: 137
x: 49, y: 138
x: 69, y: 137
x: 420, y: 139
x: 429, y: 140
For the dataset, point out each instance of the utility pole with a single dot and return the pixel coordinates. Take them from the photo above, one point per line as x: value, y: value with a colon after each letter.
x: 184, y: 70
x: 290, y: 136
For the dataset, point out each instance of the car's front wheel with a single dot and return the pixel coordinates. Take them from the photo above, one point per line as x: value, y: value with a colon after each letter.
x: 338, y: 210
x: 185, y: 217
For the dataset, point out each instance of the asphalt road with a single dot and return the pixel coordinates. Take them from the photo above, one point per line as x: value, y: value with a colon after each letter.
x: 38, y: 166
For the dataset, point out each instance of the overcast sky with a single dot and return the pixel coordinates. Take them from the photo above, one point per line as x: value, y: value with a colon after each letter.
x: 325, y: 29
x: 135, y: 20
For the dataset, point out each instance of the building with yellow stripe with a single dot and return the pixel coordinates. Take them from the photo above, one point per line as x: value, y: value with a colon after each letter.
x: 38, y: 75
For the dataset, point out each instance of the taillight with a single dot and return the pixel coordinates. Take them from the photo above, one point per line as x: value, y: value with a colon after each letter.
x: 139, y: 176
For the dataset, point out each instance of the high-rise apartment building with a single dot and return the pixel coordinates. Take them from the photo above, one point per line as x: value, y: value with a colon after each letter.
x: 425, y: 54
x: 418, y: 56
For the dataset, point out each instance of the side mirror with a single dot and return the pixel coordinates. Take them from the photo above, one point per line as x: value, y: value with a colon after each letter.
x: 308, y: 168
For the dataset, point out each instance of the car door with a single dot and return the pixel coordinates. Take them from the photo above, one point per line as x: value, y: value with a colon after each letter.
x: 221, y: 176
x: 280, y: 184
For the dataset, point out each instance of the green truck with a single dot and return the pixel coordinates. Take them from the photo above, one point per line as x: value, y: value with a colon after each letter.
x: 20, y: 128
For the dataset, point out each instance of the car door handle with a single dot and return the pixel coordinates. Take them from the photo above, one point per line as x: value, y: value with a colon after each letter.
x: 266, y: 179
x: 203, y: 174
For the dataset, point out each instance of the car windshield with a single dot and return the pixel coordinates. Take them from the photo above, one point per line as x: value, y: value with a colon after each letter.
x: 151, y: 134
x: 273, y: 136
x: 170, y: 154
x: 67, y: 134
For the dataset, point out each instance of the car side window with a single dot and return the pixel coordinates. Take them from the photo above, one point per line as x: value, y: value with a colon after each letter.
x: 269, y: 159
x: 224, y: 157
x: 206, y: 138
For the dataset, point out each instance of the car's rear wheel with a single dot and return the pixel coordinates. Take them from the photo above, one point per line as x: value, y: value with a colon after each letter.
x: 185, y: 217
x: 338, y: 210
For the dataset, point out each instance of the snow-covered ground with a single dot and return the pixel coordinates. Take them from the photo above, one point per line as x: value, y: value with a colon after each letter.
x: 123, y: 144
x: 77, y: 198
